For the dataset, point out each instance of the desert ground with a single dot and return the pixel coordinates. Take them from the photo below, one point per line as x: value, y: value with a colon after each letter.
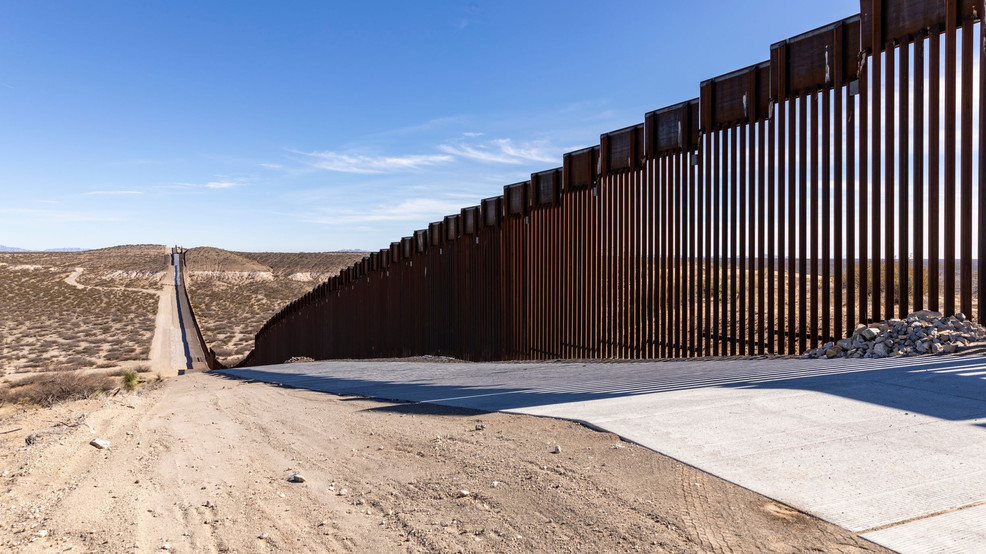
x: 64, y: 311
x: 201, y: 462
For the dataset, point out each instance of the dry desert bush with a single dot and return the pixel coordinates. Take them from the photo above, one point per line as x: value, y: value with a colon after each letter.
x: 49, y: 388
x: 234, y: 293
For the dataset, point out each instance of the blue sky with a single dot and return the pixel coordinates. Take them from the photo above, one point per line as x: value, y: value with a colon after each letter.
x: 309, y: 126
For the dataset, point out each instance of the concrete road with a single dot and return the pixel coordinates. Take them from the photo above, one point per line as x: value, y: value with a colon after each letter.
x: 892, y: 449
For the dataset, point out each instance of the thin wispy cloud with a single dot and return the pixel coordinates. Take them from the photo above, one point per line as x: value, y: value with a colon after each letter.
x: 57, y: 216
x: 428, y: 126
x: 113, y: 192
x: 358, y: 163
x: 412, y: 210
x: 214, y: 185
x: 270, y: 165
x: 503, y: 151
x: 222, y: 184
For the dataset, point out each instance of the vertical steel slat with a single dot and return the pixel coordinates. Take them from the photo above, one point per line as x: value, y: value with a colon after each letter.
x: 850, y: 202
x: 863, y: 190
x: 623, y: 255
x: 783, y: 224
x: 597, y: 275
x: 687, y: 278
x: 717, y: 315
x: 981, y: 225
x: 917, y: 194
x: 742, y: 255
x: 875, y: 147
x: 686, y: 241
x: 580, y: 222
x: 691, y: 246
x: 609, y: 287
x: 644, y: 261
x: 667, y: 294
x: 674, y: 245
x: 771, y: 216
x: 636, y: 208
x: 751, y: 255
x: 950, y: 134
x: 842, y: 200
x: 665, y: 241
x: 802, y: 223
x: 965, y: 205
x: 573, y: 255
x: 934, y: 168
x: 707, y: 154
x: 761, y: 239
x: 888, y: 183
x: 792, y: 227
x: 731, y: 295
x: 814, y: 129
x: 682, y: 242
x: 629, y: 251
x: 588, y: 277
x: 651, y: 254
x: 636, y: 205
x: 658, y: 225
x: 542, y: 258
x: 903, y: 76
x: 604, y: 283
x: 696, y: 205
x: 827, y: 225
x: 619, y: 304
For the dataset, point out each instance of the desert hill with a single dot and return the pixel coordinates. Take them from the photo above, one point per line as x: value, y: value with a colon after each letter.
x: 234, y: 293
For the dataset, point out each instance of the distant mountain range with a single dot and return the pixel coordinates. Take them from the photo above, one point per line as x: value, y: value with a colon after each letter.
x: 12, y: 249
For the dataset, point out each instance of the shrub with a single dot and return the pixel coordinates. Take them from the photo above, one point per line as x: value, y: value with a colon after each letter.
x: 129, y: 379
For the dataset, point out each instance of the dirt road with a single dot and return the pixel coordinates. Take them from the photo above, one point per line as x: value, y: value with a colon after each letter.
x: 201, y: 464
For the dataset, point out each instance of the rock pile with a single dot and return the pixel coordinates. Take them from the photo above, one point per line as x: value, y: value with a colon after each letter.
x: 924, y: 332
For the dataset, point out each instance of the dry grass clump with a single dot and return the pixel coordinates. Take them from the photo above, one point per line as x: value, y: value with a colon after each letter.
x: 234, y: 293
x: 50, y: 388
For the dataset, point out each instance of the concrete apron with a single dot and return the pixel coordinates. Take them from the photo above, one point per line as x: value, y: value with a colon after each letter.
x: 894, y: 450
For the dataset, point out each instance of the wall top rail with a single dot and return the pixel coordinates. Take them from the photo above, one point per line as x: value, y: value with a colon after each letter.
x: 492, y: 209
x: 822, y: 58
x: 671, y: 129
x: 736, y: 98
x: 515, y: 199
x: 622, y: 149
x: 887, y: 21
x: 580, y: 168
x: 469, y: 218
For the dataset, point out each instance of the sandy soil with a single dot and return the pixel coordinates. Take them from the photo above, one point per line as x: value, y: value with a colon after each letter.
x: 201, y: 463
